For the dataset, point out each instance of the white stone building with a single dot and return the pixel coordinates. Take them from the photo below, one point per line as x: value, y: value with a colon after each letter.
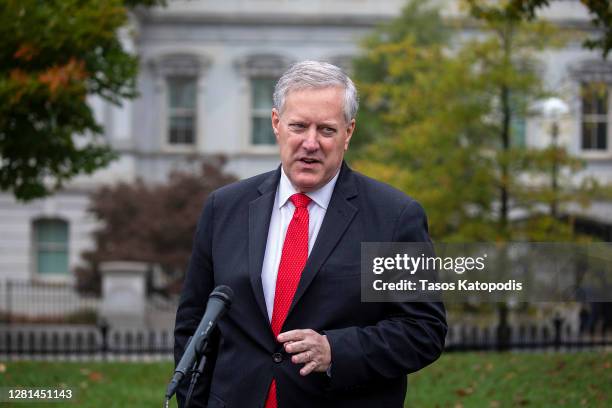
x: 207, y: 72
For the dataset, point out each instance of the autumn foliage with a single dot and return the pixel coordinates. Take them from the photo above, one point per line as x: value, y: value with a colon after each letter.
x: 54, y: 56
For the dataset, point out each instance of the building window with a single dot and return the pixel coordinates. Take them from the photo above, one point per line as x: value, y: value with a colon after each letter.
x: 178, y: 78
x: 594, y: 116
x: 518, y: 123
x: 181, y: 110
x: 260, y: 73
x: 261, y: 107
x: 518, y: 129
x: 51, y: 246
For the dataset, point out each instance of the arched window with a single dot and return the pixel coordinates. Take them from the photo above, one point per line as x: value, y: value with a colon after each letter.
x: 51, y: 246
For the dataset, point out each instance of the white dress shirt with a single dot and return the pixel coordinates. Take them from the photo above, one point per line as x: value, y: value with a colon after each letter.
x: 282, y: 212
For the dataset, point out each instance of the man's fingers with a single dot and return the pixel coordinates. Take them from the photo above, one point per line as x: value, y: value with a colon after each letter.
x: 308, y: 368
x: 296, y: 346
x: 293, y: 335
x: 302, y: 357
x: 308, y: 347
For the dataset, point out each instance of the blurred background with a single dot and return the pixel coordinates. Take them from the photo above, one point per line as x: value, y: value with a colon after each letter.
x: 118, y: 118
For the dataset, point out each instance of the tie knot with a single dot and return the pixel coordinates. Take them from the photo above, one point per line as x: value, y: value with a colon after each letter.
x: 300, y: 200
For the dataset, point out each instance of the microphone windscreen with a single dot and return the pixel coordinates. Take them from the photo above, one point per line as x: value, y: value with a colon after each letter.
x: 224, y: 293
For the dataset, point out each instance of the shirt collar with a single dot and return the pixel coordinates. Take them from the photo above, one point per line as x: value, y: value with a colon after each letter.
x: 321, y: 197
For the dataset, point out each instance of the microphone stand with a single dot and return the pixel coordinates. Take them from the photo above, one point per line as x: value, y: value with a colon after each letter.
x: 198, y: 369
x: 219, y: 302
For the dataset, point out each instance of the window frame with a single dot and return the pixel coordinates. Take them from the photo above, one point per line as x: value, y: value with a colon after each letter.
x: 259, y: 113
x: 64, y: 247
x: 582, y: 73
x: 253, y: 66
x: 189, y: 112
x: 181, y: 63
x: 595, y: 118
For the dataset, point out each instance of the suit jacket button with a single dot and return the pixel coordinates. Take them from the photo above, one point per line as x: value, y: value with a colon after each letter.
x: 277, y: 357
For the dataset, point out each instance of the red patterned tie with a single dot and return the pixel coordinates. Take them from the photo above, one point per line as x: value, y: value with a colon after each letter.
x: 293, y: 259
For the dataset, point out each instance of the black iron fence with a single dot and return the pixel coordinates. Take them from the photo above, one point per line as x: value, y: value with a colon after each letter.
x: 53, y: 320
x: 102, y: 342
x: 550, y: 336
x: 84, y: 342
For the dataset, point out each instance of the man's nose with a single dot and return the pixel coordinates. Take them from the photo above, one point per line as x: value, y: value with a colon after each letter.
x: 311, y: 141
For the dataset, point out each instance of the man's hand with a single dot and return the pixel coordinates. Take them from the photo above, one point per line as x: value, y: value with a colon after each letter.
x: 308, y: 347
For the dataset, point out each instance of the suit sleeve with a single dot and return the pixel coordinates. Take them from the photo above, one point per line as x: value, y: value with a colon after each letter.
x: 409, y: 337
x: 199, y: 283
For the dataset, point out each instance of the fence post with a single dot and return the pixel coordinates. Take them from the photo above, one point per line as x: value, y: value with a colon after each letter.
x: 9, y: 289
x: 124, y: 294
x: 557, y: 322
x: 503, y: 330
x: 103, y: 327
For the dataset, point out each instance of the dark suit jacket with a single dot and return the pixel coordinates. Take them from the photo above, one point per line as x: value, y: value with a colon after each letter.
x: 374, y: 345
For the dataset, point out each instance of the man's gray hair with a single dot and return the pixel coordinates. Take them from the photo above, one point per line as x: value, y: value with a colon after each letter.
x: 315, y: 74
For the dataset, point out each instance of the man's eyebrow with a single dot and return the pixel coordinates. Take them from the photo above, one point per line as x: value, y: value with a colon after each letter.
x: 291, y: 121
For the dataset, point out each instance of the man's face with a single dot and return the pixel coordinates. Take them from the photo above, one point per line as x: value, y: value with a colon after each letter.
x: 312, y: 135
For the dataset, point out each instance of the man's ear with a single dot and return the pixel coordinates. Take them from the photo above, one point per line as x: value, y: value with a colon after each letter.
x: 349, y: 133
x: 275, y: 122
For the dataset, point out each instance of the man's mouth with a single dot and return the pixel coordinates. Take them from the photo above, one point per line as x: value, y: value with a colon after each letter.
x: 308, y: 160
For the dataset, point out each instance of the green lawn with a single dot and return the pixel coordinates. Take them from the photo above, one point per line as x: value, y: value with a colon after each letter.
x: 96, y: 385
x: 514, y: 380
x: 456, y: 380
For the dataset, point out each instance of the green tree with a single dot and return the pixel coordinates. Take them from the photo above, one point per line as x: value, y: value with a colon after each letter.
x: 424, y: 27
x: 53, y: 55
x: 451, y: 117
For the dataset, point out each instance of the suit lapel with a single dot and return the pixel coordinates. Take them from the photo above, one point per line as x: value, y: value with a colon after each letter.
x: 338, y: 216
x: 260, y: 211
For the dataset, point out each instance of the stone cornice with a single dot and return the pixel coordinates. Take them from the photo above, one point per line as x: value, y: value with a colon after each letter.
x: 147, y: 16
x: 256, y: 19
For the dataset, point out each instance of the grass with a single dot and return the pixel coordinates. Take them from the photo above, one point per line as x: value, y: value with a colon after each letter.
x: 95, y: 385
x: 456, y: 380
x: 514, y: 380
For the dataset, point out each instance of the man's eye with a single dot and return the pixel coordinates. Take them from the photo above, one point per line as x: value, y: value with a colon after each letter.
x: 328, y: 130
x: 297, y: 126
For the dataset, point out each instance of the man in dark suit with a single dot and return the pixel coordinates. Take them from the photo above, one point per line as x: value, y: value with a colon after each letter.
x: 288, y: 243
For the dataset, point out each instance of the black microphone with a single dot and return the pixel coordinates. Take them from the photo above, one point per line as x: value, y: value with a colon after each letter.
x: 219, y: 302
